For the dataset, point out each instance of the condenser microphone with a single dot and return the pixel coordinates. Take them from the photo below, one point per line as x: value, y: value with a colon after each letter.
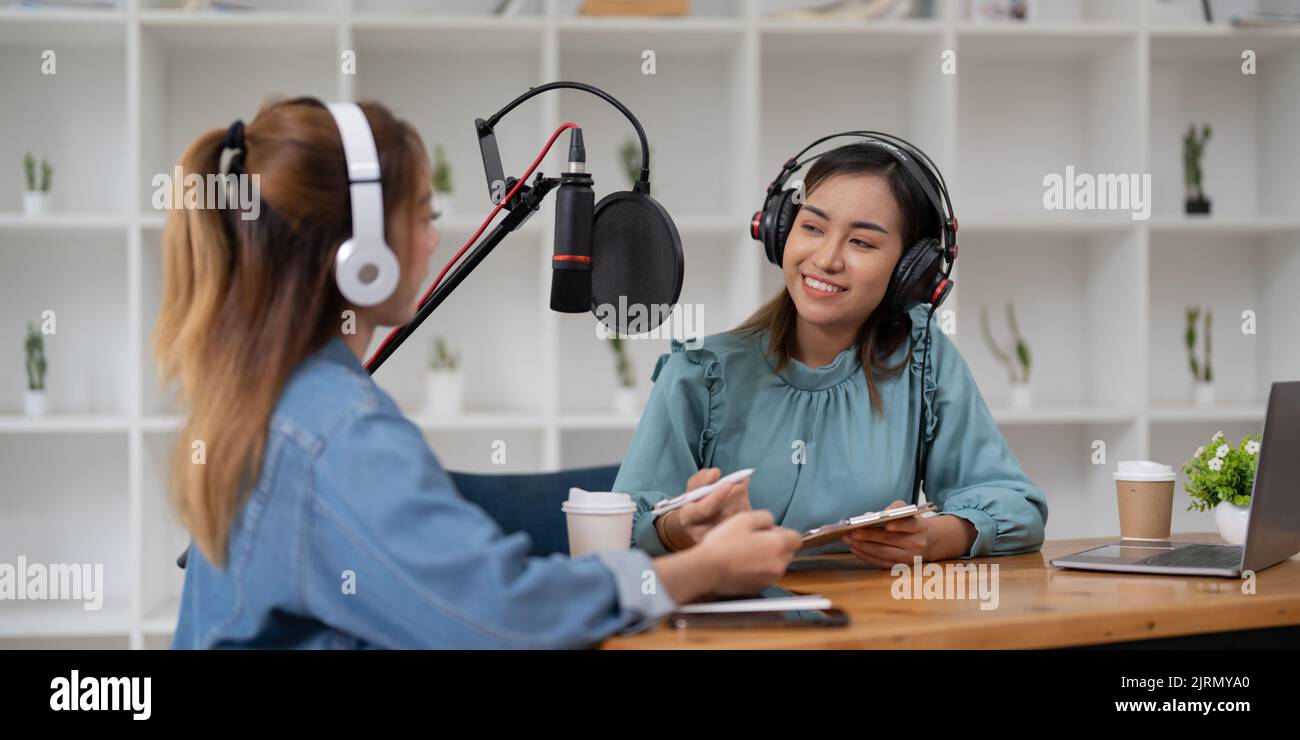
x: 574, y: 216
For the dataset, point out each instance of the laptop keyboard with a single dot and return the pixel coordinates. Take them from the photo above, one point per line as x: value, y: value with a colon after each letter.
x: 1198, y: 556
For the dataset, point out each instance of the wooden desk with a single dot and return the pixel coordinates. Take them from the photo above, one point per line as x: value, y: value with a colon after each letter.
x: 1039, y: 606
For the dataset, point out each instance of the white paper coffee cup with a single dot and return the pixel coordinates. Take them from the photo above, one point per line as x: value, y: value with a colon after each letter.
x: 599, y: 521
x: 1144, y: 491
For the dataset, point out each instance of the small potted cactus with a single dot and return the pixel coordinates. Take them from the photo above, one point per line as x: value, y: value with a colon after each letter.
x: 36, y: 198
x: 1202, y: 372
x: 1193, y: 151
x: 445, y: 384
x: 626, y: 401
x: 34, y: 398
x: 1015, y: 358
x: 441, y: 183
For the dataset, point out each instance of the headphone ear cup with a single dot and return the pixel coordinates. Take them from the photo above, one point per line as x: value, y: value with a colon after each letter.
x: 904, y: 291
x: 784, y: 211
x: 366, y: 275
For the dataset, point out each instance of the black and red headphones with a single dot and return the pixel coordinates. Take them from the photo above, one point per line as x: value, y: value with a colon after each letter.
x: 771, y: 226
x: 907, y: 287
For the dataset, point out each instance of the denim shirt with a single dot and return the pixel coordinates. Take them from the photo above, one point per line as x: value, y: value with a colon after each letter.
x: 354, y: 536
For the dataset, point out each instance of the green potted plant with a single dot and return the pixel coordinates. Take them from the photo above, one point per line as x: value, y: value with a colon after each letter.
x: 34, y: 398
x: 1202, y: 372
x: 442, y: 190
x: 1221, y: 476
x: 626, y: 400
x: 1193, y: 151
x: 1015, y: 358
x: 36, y: 197
x: 445, y: 384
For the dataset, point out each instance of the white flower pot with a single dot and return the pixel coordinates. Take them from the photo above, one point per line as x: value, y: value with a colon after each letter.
x: 1022, y: 396
x: 445, y: 392
x: 1231, y: 521
x: 1203, y: 394
x: 442, y: 205
x: 34, y: 403
x: 626, y: 401
x: 35, y: 203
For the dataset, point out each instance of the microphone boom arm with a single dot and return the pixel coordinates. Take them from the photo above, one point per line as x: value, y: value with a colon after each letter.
x: 486, y: 130
x: 519, y: 207
x: 527, y: 201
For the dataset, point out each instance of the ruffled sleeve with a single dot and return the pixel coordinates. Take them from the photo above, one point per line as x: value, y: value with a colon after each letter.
x: 675, y: 437
x: 970, y: 470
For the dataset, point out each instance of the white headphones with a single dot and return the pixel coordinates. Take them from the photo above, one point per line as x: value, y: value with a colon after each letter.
x: 366, y: 268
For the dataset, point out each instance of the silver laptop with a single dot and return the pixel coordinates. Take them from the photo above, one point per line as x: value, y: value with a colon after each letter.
x: 1272, y: 535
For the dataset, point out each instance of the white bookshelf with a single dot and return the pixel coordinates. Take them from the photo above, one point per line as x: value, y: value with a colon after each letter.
x: 1103, y: 86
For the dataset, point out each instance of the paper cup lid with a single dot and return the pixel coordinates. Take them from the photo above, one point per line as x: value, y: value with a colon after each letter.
x: 597, y: 502
x: 1143, y: 470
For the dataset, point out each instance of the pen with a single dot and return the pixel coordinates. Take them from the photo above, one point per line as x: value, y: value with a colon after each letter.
x: 677, y: 502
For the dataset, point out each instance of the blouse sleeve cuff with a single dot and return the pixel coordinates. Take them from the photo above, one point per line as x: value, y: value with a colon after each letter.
x: 986, y: 531
x: 644, y: 535
x: 639, y: 594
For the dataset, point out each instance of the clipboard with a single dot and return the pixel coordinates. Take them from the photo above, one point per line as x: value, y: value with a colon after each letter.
x: 828, y: 533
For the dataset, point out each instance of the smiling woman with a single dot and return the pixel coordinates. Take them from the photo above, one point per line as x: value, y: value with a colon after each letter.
x: 811, y: 390
x: 860, y: 210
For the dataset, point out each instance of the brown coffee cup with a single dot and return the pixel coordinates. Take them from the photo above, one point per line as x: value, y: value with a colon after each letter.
x: 1145, y: 494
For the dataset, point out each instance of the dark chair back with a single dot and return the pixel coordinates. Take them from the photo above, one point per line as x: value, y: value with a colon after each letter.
x: 530, y: 502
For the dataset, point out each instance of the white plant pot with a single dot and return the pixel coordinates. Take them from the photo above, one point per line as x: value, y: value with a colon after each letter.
x: 1231, y: 521
x: 34, y: 403
x: 35, y: 203
x: 1203, y: 394
x: 626, y: 401
x: 445, y: 393
x: 442, y: 205
x: 1022, y: 396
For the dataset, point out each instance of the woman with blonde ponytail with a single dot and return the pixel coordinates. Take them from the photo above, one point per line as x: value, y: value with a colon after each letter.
x: 319, y: 516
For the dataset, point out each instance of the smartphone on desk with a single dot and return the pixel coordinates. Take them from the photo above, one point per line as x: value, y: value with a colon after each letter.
x: 825, y: 617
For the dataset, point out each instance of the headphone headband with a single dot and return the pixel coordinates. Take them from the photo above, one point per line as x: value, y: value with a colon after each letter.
x: 366, y: 268
x: 928, y: 177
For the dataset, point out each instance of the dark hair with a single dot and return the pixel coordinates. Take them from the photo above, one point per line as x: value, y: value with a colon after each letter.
x: 880, y: 335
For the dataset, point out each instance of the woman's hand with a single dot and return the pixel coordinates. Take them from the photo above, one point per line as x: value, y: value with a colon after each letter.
x: 689, y: 524
x: 933, y: 538
x: 743, y: 555
x: 748, y: 552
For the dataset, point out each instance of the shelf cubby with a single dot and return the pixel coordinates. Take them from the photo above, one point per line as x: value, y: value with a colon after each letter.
x: 64, y: 502
x: 67, y: 115
x: 1076, y: 106
x: 688, y: 99
x: 1231, y: 275
x: 88, y: 375
x: 1251, y: 155
x: 1083, y: 290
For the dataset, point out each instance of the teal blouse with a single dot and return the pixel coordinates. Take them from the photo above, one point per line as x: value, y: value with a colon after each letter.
x: 819, y: 451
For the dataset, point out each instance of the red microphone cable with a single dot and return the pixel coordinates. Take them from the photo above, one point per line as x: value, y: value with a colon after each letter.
x: 545, y: 150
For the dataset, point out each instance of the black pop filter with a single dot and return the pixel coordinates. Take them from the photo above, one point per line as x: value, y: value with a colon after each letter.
x: 636, y: 263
